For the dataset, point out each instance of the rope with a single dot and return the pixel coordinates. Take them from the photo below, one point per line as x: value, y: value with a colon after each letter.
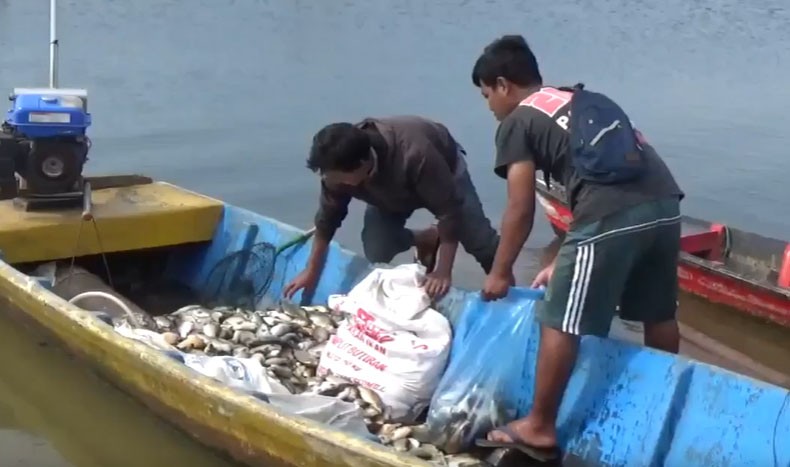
x: 101, y: 251
x: 99, y: 294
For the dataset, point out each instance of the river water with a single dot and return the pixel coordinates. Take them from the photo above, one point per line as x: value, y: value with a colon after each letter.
x: 223, y: 96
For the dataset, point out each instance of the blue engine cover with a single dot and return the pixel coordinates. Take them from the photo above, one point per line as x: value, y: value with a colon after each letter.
x: 49, y: 113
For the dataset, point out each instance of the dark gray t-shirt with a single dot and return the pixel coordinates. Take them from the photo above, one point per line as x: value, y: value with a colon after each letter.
x: 537, y: 130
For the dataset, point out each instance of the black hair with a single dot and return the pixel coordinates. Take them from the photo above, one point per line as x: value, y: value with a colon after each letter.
x: 509, y: 57
x: 339, y: 146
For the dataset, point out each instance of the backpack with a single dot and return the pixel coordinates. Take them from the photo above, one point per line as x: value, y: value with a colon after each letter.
x: 603, y: 146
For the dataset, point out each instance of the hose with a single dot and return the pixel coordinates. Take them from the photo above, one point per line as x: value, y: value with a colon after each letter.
x: 116, y: 300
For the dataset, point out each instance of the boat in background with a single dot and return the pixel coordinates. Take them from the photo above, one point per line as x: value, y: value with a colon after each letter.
x: 722, y: 264
x: 625, y: 404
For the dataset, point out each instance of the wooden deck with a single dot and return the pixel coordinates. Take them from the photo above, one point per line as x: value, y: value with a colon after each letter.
x: 128, y: 218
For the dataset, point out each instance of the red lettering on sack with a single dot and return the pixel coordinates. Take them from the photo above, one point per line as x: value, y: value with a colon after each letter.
x: 367, y: 384
x: 547, y: 100
x: 364, y: 322
x: 362, y: 356
x: 359, y: 334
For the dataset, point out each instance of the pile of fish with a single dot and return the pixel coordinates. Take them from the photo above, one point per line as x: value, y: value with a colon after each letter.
x: 288, y: 342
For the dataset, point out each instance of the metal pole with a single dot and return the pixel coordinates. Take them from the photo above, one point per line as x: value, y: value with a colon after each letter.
x: 53, y: 45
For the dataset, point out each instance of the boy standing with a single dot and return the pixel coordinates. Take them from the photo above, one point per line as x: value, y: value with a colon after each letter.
x: 621, y: 249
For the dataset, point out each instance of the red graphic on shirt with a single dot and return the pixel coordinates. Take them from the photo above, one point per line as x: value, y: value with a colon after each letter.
x: 548, y: 100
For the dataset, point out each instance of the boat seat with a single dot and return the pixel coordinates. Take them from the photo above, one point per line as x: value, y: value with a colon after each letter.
x: 706, y: 244
x: 784, y: 269
x: 135, y: 217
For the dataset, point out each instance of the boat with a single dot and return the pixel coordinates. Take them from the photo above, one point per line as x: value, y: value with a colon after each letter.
x: 721, y: 264
x: 625, y: 405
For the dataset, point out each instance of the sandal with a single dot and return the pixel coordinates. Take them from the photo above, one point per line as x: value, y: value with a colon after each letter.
x: 540, y: 454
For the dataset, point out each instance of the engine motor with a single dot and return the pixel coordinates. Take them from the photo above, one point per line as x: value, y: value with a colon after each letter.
x: 43, y: 140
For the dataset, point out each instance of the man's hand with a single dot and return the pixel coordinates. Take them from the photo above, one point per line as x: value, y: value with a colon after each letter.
x: 437, y: 284
x: 496, y: 286
x: 544, y: 276
x: 306, y: 279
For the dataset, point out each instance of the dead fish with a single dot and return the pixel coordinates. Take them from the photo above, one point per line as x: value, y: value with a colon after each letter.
x: 211, y: 330
x: 186, y: 309
x: 246, y: 326
x: 316, y: 351
x: 321, y: 319
x: 170, y: 337
x: 274, y: 361
x: 280, y: 329
x: 269, y: 321
x: 320, y: 335
x: 163, y: 323
x: 243, y: 337
x: 233, y: 321
x: 464, y: 460
x: 457, y: 437
x: 400, y: 433
x: 292, y: 337
x: 192, y: 341
x: 347, y: 394
x: 427, y: 452
x: 281, y: 371
x: 185, y: 328
x: 293, y: 310
x: 219, y: 345
x: 401, y: 445
x: 421, y: 433
x: 305, y: 357
x: 372, y: 398
x: 330, y: 389
x: 337, y: 379
x: 387, y: 429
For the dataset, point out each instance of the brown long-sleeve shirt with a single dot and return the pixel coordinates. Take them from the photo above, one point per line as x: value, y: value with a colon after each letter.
x: 415, y: 166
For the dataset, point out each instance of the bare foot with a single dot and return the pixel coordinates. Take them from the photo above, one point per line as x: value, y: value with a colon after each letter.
x: 529, y: 433
x: 426, y: 242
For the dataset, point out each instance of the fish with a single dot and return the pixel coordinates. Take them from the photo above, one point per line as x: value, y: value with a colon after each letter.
x: 371, y: 398
x: 288, y: 341
x: 211, y: 329
x: 427, y: 452
x: 170, y: 337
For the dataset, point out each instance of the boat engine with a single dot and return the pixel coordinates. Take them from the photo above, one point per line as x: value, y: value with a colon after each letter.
x: 43, y: 140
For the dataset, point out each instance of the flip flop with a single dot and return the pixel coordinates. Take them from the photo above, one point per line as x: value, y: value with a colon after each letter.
x: 430, y: 262
x: 537, y: 453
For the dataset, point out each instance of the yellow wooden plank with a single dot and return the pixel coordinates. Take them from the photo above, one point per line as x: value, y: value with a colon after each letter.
x: 128, y: 218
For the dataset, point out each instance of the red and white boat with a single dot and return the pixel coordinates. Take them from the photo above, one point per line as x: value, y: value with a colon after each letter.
x: 724, y: 265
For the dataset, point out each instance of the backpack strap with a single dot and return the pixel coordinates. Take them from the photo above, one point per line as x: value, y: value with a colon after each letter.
x: 571, y: 89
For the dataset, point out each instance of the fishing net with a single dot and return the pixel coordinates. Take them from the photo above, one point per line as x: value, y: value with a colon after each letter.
x: 240, y: 279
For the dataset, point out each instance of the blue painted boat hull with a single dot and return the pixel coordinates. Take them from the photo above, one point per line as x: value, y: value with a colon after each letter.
x: 626, y: 405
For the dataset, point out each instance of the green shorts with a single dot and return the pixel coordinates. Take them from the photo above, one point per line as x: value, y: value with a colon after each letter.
x: 627, y: 259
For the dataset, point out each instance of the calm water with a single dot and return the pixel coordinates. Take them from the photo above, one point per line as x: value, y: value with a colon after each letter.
x: 223, y: 97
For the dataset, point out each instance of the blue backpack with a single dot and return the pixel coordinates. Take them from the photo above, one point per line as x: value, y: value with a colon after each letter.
x: 603, y: 145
